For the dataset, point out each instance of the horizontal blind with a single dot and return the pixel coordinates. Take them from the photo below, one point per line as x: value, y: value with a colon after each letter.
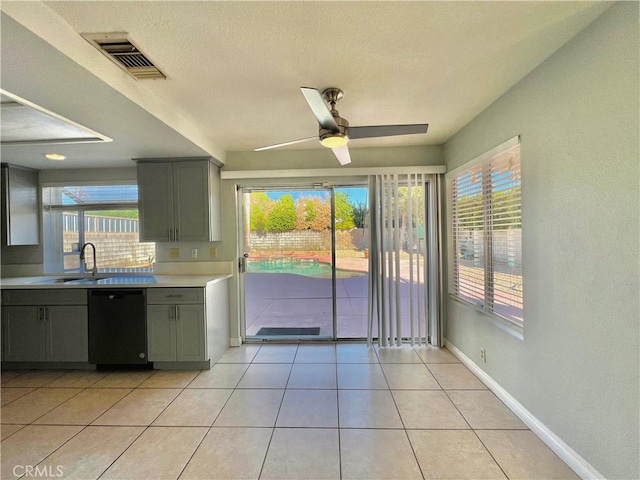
x: 468, y: 235
x: 93, y: 195
x: 486, y: 268
x: 504, y: 215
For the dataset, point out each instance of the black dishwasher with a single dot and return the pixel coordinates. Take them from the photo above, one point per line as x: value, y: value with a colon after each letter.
x: 117, y: 327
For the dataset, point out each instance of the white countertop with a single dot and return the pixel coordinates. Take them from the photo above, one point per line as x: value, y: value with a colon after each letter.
x: 113, y: 280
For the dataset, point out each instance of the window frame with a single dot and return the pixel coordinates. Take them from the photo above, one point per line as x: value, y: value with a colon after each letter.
x: 52, y: 245
x: 512, y: 326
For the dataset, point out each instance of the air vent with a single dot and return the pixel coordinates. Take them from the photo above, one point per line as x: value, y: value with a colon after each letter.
x: 119, y: 49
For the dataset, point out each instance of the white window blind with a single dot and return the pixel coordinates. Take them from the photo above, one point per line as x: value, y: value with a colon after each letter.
x: 486, y: 265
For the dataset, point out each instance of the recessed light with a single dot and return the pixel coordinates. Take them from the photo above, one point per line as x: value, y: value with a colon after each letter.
x: 54, y: 156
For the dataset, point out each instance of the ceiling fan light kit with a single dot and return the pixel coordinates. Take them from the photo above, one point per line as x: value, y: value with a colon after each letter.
x: 334, y: 130
x: 333, y: 140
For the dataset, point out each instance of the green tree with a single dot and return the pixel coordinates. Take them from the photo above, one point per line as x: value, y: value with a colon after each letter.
x: 344, y: 212
x: 470, y: 212
x: 506, y: 210
x: 313, y: 213
x: 282, y: 216
x: 360, y: 212
x: 260, y: 206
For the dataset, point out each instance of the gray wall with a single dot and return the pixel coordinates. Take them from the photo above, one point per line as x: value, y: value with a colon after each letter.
x: 577, y: 369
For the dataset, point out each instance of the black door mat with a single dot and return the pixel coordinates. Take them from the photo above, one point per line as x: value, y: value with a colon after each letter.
x: 270, y: 331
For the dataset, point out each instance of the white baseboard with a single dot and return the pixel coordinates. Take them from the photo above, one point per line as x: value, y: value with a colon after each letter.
x: 235, y: 342
x: 578, y: 464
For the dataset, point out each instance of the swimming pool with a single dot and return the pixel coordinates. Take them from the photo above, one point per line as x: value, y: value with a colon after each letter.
x: 308, y: 267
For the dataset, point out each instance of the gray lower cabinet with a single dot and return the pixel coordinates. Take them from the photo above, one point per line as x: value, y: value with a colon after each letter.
x: 44, y: 333
x: 23, y: 334
x: 176, y: 325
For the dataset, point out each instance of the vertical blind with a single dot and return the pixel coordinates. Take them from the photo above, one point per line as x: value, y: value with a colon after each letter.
x: 399, y: 302
x: 486, y: 265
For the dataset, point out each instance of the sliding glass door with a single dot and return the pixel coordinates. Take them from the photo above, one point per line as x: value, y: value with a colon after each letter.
x: 304, y: 255
x: 352, y: 260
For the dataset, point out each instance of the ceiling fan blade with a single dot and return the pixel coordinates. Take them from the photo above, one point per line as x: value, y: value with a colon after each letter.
x: 342, y: 154
x: 284, y: 144
x: 387, y: 130
x: 319, y: 108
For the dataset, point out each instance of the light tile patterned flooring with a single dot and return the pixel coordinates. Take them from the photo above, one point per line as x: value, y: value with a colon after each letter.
x: 272, y: 412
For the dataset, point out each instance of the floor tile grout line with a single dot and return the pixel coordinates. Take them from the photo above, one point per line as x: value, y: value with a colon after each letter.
x: 194, y: 452
x: 35, y: 386
x: 166, y: 406
x: 404, y: 427
x: 490, y: 454
x: 21, y: 427
x: 218, y: 362
x: 223, y: 406
x: 338, y: 419
x: 275, y: 422
x: 235, y: 387
x: 474, y: 431
x: 144, y: 429
x: 9, y: 403
x: 99, y: 415
x: 52, y: 409
x: 62, y: 444
x: 131, y: 390
x: 18, y: 375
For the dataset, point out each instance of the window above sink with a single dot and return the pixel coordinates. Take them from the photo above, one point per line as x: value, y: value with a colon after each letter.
x: 105, y: 215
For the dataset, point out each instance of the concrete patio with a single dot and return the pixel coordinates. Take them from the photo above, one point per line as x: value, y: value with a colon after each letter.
x: 290, y: 300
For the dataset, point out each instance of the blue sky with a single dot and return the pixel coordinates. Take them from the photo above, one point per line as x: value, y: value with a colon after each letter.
x: 356, y: 194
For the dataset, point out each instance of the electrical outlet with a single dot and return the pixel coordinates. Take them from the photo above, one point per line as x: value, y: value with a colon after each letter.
x: 194, y: 253
x: 175, y: 253
x: 213, y: 252
x: 483, y: 355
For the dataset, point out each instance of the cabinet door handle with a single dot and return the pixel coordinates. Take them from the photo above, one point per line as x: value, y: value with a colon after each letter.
x: 46, y: 313
x: 41, y: 314
x: 172, y: 315
x: 177, y: 313
x: 169, y: 233
x: 174, y: 296
x: 175, y: 235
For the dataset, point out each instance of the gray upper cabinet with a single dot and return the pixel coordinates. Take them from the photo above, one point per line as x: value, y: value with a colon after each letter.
x: 20, y: 206
x: 179, y: 201
x: 155, y: 190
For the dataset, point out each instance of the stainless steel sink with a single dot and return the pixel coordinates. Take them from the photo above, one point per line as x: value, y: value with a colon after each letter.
x: 57, y: 280
x: 70, y: 280
x: 85, y: 280
x: 126, y: 279
x: 115, y: 280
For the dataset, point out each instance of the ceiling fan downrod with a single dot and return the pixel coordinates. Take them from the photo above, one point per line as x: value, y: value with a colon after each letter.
x: 329, y: 137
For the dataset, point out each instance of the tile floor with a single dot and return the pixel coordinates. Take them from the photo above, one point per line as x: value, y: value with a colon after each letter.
x: 271, y: 412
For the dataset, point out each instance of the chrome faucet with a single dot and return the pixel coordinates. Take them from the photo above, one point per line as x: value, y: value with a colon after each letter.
x: 83, y: 263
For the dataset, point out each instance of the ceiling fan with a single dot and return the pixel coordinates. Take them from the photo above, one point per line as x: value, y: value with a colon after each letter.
x: 335, y: 131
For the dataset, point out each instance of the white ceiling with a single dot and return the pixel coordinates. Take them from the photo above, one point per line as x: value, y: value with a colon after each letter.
x: 234, y: 68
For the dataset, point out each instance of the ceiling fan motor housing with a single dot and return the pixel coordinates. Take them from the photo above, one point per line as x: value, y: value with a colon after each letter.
x: 343, y: 126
